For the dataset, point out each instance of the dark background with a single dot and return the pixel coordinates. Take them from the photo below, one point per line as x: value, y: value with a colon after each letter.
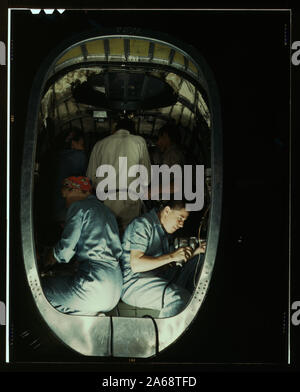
x: 244, y: 318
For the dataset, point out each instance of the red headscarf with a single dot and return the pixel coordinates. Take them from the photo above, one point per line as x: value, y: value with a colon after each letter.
x: 82, y: 183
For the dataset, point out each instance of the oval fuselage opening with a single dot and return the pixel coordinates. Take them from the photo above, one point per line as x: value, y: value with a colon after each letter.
x: 84, y: 86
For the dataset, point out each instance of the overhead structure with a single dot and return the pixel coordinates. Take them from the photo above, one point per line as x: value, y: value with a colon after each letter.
x: 118, y: 73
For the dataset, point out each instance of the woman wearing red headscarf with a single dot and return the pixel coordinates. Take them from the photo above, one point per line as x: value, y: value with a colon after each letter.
x: 91, y: 235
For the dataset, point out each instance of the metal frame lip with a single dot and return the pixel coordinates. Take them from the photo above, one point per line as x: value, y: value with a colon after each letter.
x: 145, y: 337
x: 128, y: 36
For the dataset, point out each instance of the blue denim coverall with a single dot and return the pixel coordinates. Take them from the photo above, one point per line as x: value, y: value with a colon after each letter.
x: 91, y: 235
x: 153, y: 289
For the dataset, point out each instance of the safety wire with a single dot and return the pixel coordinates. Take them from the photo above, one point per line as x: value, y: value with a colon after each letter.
x: 199, y: 240
x: 111, y: 337
x: 156, y: 333
x: 167, y: 285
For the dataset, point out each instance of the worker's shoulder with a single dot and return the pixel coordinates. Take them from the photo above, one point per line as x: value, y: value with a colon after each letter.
x: 148, y: 220
x: 119, y: 138
x: 93, y: 207
x: 137, y: 138
x: 101, y: 142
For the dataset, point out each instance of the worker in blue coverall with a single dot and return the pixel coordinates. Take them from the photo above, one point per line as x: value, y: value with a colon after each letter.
x: 149, y: 281
x: 91, y: 235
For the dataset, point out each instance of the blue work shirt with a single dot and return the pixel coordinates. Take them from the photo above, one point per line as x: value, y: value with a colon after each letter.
x: 146, y: 234
x: 91, y: 232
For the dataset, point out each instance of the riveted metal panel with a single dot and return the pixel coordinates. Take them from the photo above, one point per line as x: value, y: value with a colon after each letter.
x: 161, y: 52
x: 95, y: 48
x: 139, y: 48
x: 71, y: 54
x: 116, y: 47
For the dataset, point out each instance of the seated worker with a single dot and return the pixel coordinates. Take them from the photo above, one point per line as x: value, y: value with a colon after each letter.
x: 168, y: 143
x: 69, y: 160
x: 168, y: 152
x: 149, y: 279
x: 91, y: 235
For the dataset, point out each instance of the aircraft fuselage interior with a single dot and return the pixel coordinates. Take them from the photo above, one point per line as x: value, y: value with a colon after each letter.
x: 211, y: 87
x: 85, y: 85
